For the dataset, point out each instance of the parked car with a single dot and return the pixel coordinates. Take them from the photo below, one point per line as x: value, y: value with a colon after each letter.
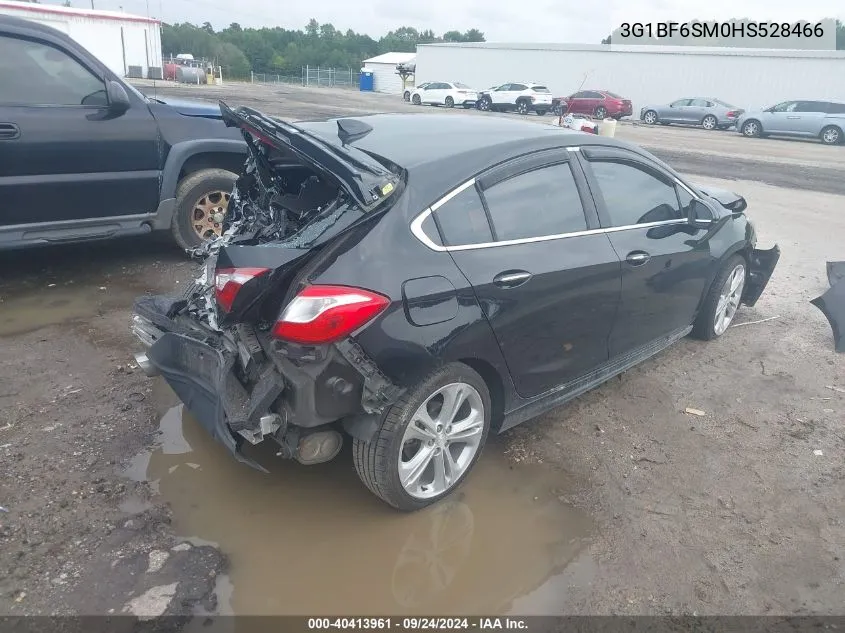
x: 824, y: 120
x: 448, y: 93
x: 709, y: 113
x: 431, y: 293
x: 84, y: 155
x: 407, y: 94
x: 596, y: 103
x: 520, y: 97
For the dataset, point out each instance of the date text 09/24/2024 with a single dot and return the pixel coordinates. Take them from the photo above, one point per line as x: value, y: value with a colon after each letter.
x: 701, y: 30
x: 416, y: 624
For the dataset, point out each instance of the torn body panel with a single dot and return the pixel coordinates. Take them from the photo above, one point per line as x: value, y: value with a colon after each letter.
x: 832, y: 305
x: 761, y: 265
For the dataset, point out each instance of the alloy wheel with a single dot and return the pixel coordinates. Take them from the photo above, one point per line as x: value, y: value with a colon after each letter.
x: 522, y: 107
x: 416, y: 100
x: 450, y: 102
x: 441, y: 440
x: 831, y: 136
x: 650, y: 117
x: 709, y: 122
x: 601, y: 112
x: 751, y: 129
x: 729, y: 299
x: 484, y: 104
x: 208, y: 214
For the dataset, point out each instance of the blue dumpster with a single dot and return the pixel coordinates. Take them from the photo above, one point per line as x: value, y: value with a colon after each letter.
x: 367, y: 81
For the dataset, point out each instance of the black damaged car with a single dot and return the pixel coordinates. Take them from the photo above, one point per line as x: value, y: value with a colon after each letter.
x: 415, y: 282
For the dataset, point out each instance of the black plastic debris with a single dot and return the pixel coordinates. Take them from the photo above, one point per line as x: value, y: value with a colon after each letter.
x: 832, y: 303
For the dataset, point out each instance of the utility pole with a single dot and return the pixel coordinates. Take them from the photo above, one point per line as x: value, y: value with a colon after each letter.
x: 92, y: 4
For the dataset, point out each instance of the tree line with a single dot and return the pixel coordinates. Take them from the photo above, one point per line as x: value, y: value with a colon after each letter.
x: 281, y: 51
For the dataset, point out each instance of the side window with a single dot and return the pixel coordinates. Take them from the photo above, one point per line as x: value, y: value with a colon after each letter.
x: 686, y: 200
x: 786, y: 106
x: 634, y: 196
x: 700, y: 103
x: 503, y: 88
x: 810, y: 106
x: 835, y: 108
x: 462, y: 220
x: 679, y: 103
x: 541, y: 202
x: 578, y: 95
x: 595, y: 95
x: 518, y: 87
x: 33, y: 73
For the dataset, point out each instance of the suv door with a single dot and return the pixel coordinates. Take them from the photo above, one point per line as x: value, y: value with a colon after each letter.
x: 525, y: 236
x: 500, y: 95
x: 812, y: 117
x: 666, y: 261
x: 66, y: 157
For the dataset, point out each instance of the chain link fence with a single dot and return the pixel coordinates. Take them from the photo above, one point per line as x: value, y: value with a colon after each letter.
x: 312, y: 76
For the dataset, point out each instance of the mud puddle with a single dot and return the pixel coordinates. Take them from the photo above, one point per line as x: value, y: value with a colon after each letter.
x: 313, y: 540
x: 53, y: 304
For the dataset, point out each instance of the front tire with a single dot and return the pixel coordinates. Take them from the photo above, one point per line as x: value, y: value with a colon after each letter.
x: 752, y: 129
x: 541, y: 112
x: 450, y: 102
x: 201, y: 198
x: 428, y: 441
x: 406, y: 96
x: 722, y: 301
x: 831, y: 135
x: 600, y: 113
x: 709, y: 122
x: 650, y: 117
x: 416, y: 100
x: 522, y: 106
x: 484, y: 104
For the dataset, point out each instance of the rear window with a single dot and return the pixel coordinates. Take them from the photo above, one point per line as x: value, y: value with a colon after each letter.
x: 458, y: 84
x: 836, y: 108
x: 541, y: 89
x: 462, y: 220
x: 726, y: 105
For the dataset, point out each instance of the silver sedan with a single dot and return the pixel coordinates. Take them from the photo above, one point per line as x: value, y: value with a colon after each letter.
x: 709, y: 113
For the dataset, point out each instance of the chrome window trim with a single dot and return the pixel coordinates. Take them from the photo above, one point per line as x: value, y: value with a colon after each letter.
x: 417, y: 222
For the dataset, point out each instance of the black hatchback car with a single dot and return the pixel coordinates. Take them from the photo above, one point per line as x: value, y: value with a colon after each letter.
x: 416, y: 282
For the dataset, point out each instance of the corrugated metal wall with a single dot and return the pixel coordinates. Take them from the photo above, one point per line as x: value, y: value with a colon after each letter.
x: 385, y: 78
x: 102, y: 37
x: 643, y: 77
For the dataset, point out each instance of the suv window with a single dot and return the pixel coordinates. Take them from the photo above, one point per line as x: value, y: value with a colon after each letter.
x: 835, y: 108
x: 811, y: 106
x: 541, y: 90
x: 33, y: 73
x: 462, y: 220
x: 541, y: 202
x: 634, y: 196
x: 786, y: 106
x: 503, y: 88
x: 518, y: 87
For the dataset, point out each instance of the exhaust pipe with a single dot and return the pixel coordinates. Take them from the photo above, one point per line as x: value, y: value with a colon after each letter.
x: 146, y: 365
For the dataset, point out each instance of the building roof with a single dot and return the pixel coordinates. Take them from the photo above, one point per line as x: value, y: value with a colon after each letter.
x: 391, y: 58
x: 54, y: 10
x: 641, y: 48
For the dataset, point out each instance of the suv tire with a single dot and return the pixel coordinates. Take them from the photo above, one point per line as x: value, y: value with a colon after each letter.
x: 377, y: 462
x: 522, y: 106
x: 212, y: 185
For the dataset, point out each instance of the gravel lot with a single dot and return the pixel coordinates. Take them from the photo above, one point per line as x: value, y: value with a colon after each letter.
x: 617, y: 503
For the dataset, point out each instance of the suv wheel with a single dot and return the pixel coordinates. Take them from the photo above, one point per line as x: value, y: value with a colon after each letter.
x: 601, y: 112
x: 522, y: 106
x: 484, y: 104
x: 751, y: 129
x: 831, y: 135
x: 428, y: 441
x: 202, y: 199
x: 450, y: 102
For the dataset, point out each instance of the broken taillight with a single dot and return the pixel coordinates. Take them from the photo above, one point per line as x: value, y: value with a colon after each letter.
x: 731, y: 114
x: 323, y: 314
x: 229, y: 281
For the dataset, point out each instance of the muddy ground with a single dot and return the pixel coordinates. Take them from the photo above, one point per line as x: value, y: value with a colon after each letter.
x: 620, y: 502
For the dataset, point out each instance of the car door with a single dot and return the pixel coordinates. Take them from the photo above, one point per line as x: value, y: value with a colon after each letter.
x: 514, y: 92
x: 812, y: 117
x: 525, y: 236
x: 696, y: 110
x: 500, y: 95
x: 64, y: 155
x: 429, y: 95
x: 781, y: 119
x: 666, y: 261
x: 675, y: 112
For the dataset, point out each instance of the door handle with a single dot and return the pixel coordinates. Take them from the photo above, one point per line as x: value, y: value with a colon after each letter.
x: 512, y: 279
x: 9, y: 131
x: 637, y: 258
x: 793, y: 117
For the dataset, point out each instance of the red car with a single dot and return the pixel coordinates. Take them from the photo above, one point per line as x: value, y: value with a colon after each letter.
x: 597, y: 103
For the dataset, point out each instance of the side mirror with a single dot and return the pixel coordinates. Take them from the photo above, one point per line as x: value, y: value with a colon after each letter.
x: 700, y: 215
x: 118, y: 99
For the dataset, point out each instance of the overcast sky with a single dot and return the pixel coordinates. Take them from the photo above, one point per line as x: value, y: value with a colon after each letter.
x: 500, y: 20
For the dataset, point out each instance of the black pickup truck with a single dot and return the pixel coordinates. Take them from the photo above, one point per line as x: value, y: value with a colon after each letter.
x: 85, y: 156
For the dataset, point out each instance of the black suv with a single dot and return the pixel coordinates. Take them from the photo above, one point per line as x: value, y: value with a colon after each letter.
x: 84, y: 155
x: 415, y: 295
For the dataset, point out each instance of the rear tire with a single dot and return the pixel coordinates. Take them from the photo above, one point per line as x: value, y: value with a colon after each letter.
x: 377, y: 462
x: 522, y: 106
x: 704, y: 327
x: 541, y: 112
x: 407, y: 95
x: 709, y: 122
x: 450, y: 102
x: 204, y: 184
x: 752, y: 129
x: 831, y: 135
x: 484, y: 104
x: 600, y: 113
x: 416, y: 100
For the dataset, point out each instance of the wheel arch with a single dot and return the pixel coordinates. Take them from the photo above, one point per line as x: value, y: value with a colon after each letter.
x: 741, y: 248
x: 191, y: 156
x: 495, y: 385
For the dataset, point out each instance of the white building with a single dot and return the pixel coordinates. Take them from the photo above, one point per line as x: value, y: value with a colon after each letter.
x: 383, y: 68
x: 119, y: 40
x: 746, y: 78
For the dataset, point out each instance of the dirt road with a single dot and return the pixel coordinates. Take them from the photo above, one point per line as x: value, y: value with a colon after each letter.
x: 620, y: 502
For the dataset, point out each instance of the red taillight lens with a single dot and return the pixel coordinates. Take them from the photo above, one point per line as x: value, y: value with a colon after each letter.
x: 731, y: 114
x: 229, y: 281
x: 323, y: 314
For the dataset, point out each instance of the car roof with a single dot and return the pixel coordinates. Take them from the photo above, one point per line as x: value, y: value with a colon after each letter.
x: 411, y: 140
